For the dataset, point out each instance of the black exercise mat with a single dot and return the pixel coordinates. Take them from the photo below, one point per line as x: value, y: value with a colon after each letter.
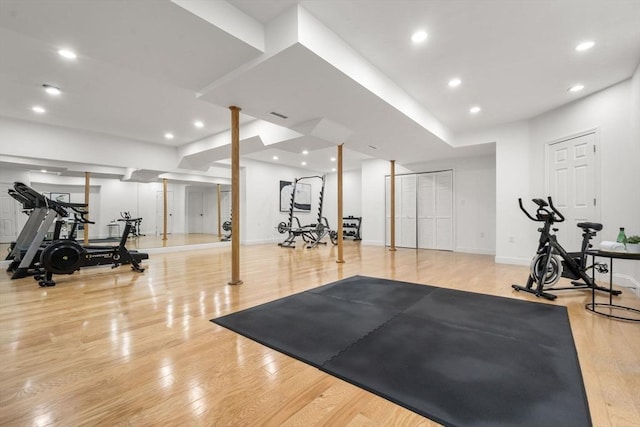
x: 459, y: 358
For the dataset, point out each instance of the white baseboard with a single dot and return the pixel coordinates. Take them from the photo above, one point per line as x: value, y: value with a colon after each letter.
x: 274, y: 240
x: 194, y: 247
x: 372, y: 242
x: 619, y: 279
x: 512, y: 260
x: 479, y: 251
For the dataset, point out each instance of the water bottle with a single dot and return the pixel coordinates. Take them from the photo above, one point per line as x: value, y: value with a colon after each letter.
x: 622, y: 238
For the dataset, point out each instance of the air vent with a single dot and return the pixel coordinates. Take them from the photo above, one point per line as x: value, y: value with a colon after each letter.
x: 282, y: 116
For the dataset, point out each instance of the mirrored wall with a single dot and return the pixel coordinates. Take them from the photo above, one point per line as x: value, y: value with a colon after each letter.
x: 196, y: 212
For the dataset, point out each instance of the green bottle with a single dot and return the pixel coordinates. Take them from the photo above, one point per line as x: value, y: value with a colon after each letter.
x: 622, y: 238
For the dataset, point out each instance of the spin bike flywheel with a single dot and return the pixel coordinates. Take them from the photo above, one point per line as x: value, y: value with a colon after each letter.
x: 553, y: 271
x: 62, y: 257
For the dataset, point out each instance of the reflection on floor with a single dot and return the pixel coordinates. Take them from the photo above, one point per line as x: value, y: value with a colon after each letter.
x: 146, y: 242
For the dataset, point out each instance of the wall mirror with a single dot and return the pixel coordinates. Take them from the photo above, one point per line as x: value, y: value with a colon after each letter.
x: 195, y: 210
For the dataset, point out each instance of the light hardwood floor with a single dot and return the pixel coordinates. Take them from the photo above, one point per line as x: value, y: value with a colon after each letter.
x: 114, y: 347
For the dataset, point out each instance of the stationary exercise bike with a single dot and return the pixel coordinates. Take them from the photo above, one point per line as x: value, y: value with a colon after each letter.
x: 552, y: 262
x: 68, y: 256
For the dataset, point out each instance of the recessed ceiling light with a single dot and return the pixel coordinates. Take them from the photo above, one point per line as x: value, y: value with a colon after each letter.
x: 333, y: 169
x: 51, y: 90
x: 474, y: 110
x: 43, y: 170
x: 275, y: 157
x: 419, y: 36
x: 198, y: 124
x: 168, y: 135
x: 585, y: 46
x: 333, y: 159
x: 305, y: 152
x: 454, y: 82
x: 304, y: 163
x: 66, y: 53
x: 576, y: 88
x: 38, y: 109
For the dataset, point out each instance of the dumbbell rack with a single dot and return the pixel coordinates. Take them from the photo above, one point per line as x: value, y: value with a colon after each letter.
x: 351, y: 227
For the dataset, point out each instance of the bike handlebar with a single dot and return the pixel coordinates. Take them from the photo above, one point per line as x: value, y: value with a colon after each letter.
x: 542, y: 213
x: 556, y: 211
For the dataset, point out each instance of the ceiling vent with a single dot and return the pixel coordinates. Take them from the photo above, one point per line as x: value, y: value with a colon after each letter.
x: 282, y: 116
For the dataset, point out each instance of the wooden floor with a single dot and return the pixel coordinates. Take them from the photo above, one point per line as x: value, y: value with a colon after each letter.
x: 114, y: 347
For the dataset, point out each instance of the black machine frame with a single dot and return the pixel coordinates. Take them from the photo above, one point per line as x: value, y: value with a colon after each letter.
x: 552, y: 261
x: 312, y: 234
x: 33, y: 255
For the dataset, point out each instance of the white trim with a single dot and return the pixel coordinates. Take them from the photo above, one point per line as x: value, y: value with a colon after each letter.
x: 185, y: 248
x: 372, y: 242
x: 513, y: 260
x: 479, y: 251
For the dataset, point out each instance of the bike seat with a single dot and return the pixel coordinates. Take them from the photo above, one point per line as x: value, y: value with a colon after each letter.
x: 590, y: 225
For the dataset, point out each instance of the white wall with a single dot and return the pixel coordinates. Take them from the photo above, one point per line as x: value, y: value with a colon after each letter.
x: 615, y: 113
x: 20, y: 138
x: 351, y: 196
x: 373, y: 199
x: 26, y: 139
x: 610, y: 112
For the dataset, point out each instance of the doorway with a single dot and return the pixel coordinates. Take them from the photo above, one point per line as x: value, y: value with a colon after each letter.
x: 570, y: 179
x: 195, y: 212
x: 160, y: 212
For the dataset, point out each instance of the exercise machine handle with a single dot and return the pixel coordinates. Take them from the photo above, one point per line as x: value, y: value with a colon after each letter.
x: 560, y: 217
x: 543, y: 214
x: 525, y: 211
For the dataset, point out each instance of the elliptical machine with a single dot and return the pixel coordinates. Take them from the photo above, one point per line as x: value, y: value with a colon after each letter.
x: 552, y: 262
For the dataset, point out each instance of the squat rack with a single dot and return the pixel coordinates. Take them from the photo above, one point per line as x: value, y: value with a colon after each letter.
x: 312, y: 234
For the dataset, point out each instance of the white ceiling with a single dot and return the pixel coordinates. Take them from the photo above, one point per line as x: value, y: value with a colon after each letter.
x: 151, y: 66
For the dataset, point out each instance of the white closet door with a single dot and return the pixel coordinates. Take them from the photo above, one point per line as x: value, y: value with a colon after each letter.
x: 444, y: 210
x: 405, y: 214
x: 387, y: 215
x: 406, y: 211
x: 426, y: 211
x: 435, y: 210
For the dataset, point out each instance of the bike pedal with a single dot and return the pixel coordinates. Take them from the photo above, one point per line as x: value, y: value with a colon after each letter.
x: 602, y: 268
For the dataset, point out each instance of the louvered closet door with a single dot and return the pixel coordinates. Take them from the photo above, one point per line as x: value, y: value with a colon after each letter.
x: 427, y: 211
x: 406, y: 211
x: 405, y: 215
x: 435, y: 210
x: 444, y: 210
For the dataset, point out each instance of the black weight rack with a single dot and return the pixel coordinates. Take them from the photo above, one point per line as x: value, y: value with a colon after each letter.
x: 351, y: 227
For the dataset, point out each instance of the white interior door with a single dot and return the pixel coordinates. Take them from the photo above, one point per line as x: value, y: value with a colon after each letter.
x: 160, y: 212
x: 444, y: 210
x: 571, y: 172
x: 195, y: 212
